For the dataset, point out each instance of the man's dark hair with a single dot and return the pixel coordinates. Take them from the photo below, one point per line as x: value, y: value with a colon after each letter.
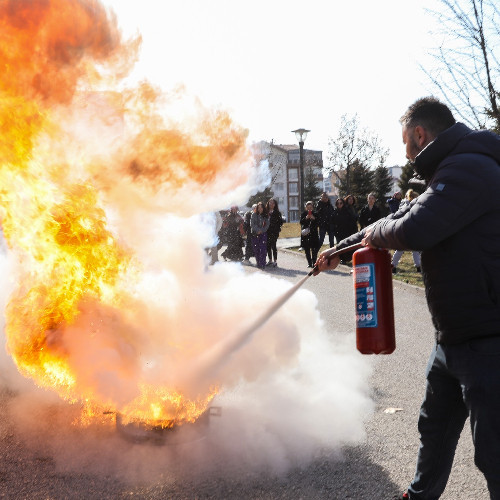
x: 430, y: 113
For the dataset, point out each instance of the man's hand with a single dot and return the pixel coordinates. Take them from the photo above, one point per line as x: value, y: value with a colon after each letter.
x: 325, y: 262
x: 367, y: 240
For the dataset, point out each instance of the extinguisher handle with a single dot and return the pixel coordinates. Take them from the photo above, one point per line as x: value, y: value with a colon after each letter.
x: 350, y: 248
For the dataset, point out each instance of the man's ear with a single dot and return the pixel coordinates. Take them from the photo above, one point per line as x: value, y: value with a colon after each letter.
x: 421, y: 136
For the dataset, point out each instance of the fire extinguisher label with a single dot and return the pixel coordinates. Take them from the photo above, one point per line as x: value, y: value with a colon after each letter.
x: 366, y: 301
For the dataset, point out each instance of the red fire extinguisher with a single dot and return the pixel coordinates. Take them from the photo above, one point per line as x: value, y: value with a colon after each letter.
x: 374, y: 301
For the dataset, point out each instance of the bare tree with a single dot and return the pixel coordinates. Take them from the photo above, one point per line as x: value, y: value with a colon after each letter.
x: 468, y: 71
x: 353, y: 145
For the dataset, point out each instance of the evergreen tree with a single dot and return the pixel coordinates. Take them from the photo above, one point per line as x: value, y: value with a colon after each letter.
x: 311, y: 190
x: 404, y: 181
x: 262, y: 196
x: 362, y: 182
x: 382, y: 186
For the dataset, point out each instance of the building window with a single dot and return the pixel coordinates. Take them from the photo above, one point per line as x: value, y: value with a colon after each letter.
x: 294, y: 215
x: 279, y: 186
x: 281, y: 201
x: 293, y: 174
x: 293, y: 188
x: 294, y: 201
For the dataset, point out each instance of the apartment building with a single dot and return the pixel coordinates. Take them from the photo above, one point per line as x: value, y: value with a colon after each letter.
x: 284, y: 166
x: 395, y: 172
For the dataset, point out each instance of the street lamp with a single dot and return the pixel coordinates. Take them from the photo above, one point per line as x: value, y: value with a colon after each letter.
x: 301, y: 134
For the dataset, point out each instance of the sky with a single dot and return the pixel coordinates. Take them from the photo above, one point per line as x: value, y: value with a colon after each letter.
x: 279, y: 65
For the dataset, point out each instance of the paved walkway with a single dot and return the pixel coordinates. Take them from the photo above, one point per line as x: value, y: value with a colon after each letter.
x: 288, y: 242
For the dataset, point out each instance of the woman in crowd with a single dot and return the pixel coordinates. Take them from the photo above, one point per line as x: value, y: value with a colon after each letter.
x: 370, y: 213
x: 232, y: 226
x: 350, y: 203
x: 309, y: 239
x: 248, y: 230
x: 345, y: 224
x: 259, y: 223
x: 275, y: 223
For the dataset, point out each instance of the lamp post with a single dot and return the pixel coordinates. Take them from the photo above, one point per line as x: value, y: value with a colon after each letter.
x: 301, y: 134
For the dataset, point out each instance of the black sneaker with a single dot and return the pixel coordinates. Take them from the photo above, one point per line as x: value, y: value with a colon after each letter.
x: 417, y: 268
x: 394, y: 270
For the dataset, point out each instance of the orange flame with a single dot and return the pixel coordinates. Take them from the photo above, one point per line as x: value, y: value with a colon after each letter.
x: 52, y: 212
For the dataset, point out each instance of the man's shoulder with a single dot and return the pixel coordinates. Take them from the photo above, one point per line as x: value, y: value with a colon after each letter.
x: 470, y: 163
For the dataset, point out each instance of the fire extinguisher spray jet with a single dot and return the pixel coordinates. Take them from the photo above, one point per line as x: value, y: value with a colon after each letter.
x: 374, y: 306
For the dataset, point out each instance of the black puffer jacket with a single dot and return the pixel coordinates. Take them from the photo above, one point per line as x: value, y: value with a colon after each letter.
x: 275, y: 223
x: 326, y: 214
x: 455, y: 222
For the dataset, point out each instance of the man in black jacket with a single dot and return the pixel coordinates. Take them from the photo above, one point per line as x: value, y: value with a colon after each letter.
x: 455, y: 223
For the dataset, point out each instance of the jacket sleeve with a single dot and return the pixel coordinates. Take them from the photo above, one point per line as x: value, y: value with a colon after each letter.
x: 453, y: 199
x: 254, y: 224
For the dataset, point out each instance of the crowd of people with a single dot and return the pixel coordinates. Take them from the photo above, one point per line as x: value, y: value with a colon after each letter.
x: 338, y: 222
x: 255, y: 234
x: 261, y: 226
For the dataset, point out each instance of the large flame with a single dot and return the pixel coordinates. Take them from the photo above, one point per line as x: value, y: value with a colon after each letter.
x: 62, y: 60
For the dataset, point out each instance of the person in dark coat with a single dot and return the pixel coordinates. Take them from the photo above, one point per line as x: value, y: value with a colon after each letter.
x: 233, y: 230
x: 350, y: 203
x: 455, y: 223
x: 370, y: 213
x: 248, y: 231
x: 275, y: 223
x: 259, y: 223
x: 345, y: 223
x: 326, y: 220
x: 394, y: 201
x: 310, y: 241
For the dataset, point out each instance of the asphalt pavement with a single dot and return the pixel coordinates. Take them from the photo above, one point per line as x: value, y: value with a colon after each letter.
x: 377, y: 469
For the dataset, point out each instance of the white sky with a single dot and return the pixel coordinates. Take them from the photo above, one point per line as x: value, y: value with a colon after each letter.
x: 278, y: 65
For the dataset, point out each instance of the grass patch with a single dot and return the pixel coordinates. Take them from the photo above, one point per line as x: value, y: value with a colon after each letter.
x: 406, y: 271
x: 290, y: 230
